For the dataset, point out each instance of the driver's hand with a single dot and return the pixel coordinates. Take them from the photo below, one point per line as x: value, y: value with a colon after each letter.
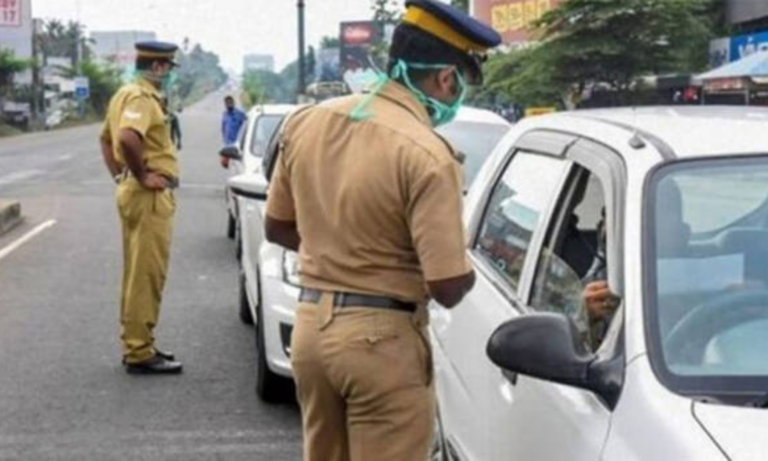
x: 598, y: 298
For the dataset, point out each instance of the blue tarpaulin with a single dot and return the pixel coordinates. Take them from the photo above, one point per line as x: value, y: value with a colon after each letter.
x: 754, y: 65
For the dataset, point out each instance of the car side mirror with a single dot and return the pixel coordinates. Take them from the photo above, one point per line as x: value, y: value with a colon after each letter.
x: 548, y: 346
x: 231, y: 153
x: 544, y: 346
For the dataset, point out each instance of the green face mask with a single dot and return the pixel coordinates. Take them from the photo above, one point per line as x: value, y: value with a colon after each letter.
x: 440, y: 112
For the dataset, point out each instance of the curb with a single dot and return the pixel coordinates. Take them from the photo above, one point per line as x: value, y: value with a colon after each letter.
x: 10, y: 215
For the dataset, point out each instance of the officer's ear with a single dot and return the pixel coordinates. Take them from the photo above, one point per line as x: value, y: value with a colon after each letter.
x: 446, y: 84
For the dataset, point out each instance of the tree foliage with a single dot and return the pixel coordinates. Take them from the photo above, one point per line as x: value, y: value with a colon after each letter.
x: 605, y: 43
x: 9, y: 66
x: 103, y: 81
x: 199, y: 73
x: 461, y: 4
x: 385, y: 11
x: 65, y: 40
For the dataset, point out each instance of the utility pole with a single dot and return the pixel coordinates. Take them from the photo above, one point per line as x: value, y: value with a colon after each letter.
x: 302, y: 70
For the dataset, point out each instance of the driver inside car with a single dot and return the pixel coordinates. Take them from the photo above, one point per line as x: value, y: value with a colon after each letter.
x: 598, y: 303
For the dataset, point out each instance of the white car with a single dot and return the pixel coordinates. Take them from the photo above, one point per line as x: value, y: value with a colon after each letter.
x: 246, y: 155
x: 680, y: 370
x: 270, y: 278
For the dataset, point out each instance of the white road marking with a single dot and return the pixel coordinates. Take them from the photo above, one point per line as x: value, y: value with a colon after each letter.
x: 19, y: 176
x: 26, y: 238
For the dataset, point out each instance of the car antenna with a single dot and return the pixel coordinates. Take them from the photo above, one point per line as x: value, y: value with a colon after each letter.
x: 636, y: 142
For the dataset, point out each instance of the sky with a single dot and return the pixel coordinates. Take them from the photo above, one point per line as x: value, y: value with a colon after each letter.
x: 230, y: 28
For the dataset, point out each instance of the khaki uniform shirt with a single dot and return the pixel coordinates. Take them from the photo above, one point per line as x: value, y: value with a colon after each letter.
x: 378, y: 203
x: 137, y: 106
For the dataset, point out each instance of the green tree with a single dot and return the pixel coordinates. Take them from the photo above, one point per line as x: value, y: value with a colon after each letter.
x: 384, y: 11
x: 60, y: 40
x: 103, y: 80
x: 199, y: 73
x: 329, y: 42
x: 9, y: 66
x: 461, y: 4
x: 588, y: 43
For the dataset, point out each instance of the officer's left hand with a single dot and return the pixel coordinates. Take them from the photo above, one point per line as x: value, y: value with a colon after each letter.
x: 154, y: 181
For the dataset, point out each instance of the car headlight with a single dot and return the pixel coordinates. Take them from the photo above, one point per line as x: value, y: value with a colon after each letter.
x: 291, y: 268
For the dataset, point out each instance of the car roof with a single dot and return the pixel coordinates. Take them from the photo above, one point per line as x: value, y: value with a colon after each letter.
x: 690, y: 131
x: 272, y: 109
x: 473, y: 114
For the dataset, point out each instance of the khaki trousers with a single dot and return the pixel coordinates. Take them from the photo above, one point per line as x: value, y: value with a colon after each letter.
x: 147, y: 225
x: 364, y: 383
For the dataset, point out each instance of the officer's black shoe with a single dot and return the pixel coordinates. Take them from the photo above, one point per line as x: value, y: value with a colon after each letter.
x: 166, y: 355
x: 159, y: 353
x: 154, y: 366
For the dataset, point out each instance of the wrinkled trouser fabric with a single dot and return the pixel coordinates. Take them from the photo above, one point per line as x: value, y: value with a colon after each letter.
x: 364, y: 383
x: 147, y: 224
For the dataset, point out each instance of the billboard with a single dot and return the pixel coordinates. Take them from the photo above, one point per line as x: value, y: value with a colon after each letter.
x: 726, y: 50
x: 512, y: 18
x: 360, y: 41
x: 10, y: 13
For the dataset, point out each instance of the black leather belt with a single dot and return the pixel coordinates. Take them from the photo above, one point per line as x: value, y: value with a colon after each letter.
x: 309, y: 295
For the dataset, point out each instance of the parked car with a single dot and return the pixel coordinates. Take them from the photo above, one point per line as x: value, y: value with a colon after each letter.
x: 269, y: 281
x: 246, y: 155
x: 681, y: 371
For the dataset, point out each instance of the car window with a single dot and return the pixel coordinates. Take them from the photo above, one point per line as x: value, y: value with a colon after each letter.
x: 514, y: 211
x: 573, y: 256
x: 476, y: 141
x: 241, y: 136
x: 265, y: 127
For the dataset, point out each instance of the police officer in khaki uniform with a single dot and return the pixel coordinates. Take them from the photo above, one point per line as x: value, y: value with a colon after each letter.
x: 371, y: 197
x: 138, y: 152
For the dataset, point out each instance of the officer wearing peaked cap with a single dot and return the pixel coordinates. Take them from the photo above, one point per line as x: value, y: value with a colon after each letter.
x: 371, y: 197
x: 139, y: 154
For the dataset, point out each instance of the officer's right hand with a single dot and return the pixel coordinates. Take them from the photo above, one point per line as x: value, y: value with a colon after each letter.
x: 154, y: 181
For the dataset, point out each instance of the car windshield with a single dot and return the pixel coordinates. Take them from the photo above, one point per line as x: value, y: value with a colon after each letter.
x: 263, y: 131
x: 476, y: 141
x: 708, y: 274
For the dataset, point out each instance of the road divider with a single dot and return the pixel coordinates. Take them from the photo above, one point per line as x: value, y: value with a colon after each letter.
x: 26, y: 238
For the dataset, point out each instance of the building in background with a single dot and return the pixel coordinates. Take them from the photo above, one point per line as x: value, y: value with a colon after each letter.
x: 749, y: 18
x: 511, y: 18
x: 16, y: 27
x: 117, y: 47
x: 255, y: 62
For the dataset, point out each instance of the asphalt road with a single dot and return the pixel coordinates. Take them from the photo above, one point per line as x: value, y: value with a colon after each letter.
x: 63, y: 393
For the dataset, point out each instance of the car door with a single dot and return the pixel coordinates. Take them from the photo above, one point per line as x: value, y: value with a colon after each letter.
x: 537, y: 419
x: 471, y: 390
x: 254, y: 200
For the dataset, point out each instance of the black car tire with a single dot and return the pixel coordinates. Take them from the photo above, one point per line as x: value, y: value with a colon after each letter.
x: 231, y: 226
x: 245, y: 310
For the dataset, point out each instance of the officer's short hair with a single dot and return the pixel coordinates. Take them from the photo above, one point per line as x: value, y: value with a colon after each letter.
x: 412, y: 44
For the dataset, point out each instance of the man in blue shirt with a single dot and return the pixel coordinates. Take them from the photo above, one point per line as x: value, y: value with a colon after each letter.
x: 231, y: 122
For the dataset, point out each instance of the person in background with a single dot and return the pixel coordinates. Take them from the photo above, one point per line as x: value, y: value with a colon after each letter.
x: 173, y: 121
x: 231, y: 123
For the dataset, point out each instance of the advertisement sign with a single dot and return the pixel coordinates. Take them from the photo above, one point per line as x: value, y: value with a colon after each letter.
x: 82, y: 87
x: 744, y: 45
x: 359, y: 40
x: 10, y: 13
x: 512, y: 18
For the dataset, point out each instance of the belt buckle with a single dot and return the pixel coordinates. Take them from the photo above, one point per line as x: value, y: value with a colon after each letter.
x: 339, y: 299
